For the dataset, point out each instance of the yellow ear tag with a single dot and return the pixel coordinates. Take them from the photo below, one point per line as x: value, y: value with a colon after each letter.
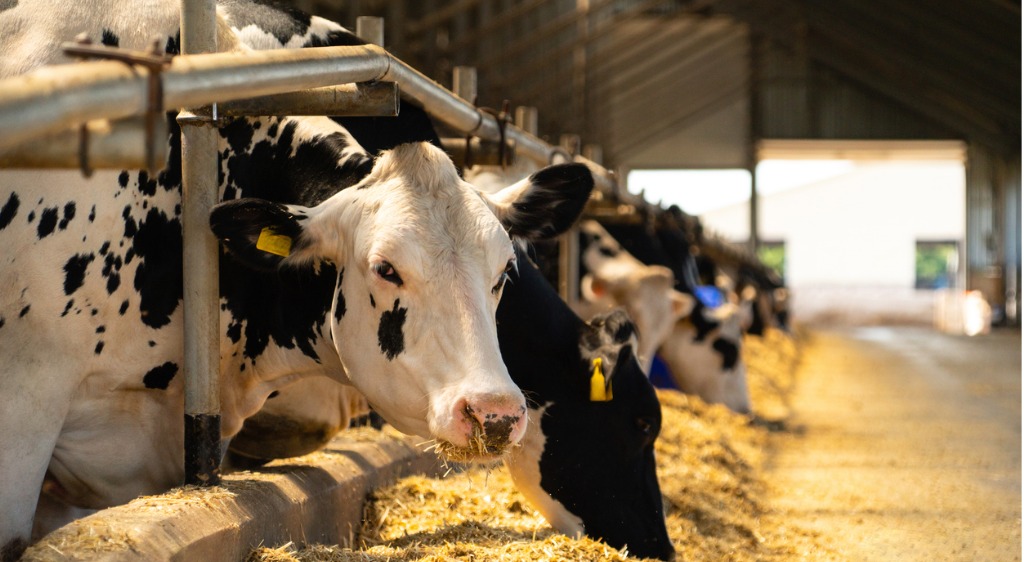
x: 274, y: 243
x: 600, y: 390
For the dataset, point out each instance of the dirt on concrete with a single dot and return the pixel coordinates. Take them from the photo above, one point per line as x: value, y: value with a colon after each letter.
x: 904, y: 444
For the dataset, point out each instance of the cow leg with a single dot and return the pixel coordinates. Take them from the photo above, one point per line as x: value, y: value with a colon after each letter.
x: 30, y: 422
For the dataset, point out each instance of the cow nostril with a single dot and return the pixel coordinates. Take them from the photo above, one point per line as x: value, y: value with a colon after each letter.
x: 491, y: 431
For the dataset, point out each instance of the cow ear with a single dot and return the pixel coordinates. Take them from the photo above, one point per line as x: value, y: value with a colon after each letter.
x: 682, y: 304
x: 260, y: 234
x: 545, y: 204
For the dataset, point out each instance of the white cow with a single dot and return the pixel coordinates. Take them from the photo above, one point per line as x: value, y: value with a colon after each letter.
x: 390, y: 285
x: 615, y: 278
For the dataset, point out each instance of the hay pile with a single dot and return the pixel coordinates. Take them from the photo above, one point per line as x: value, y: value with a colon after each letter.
x: 708, y: 465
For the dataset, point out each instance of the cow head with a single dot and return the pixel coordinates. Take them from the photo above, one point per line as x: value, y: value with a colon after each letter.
x: 587, y: 462
x: 647, y: 292
x: 422, y: 258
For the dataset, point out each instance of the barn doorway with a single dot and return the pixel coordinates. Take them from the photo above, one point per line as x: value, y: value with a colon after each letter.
x: 864, y: 233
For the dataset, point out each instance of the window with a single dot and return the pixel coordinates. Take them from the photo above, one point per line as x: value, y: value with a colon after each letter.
x: 936, y: 264
x: 773, y: 255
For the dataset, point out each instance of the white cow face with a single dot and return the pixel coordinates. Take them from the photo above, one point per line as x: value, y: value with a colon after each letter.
x: 422, y: 259
x: 646, y: 292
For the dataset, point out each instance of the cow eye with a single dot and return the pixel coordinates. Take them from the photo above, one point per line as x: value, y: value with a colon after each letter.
x: 509, y: 267
x: 387, y: 272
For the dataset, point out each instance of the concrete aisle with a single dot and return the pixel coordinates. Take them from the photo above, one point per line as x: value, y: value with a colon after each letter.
x: 905, y: 445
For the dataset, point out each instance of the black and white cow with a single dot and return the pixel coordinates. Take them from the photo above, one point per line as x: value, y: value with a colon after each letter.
x: 587, y: 465
x: 391, y: 285
x: 612, y: 277
x: 703, y: 351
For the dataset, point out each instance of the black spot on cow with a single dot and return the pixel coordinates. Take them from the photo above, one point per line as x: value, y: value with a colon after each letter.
x: 47, y: 222
x: 287, y: 170
x: 109, y: 38
x: 158, y: 278
x: 729, y: 351
x: 122, y: 178
x: 105, y: 248
x: 373, y: 303
x: 8, y: 211
x: 31, y: 216
x: 69, y: 213
x: 147, y: 185
x: 74, y: 271
x: 128, y: 256
x: 130, y: 226
x: 173, y: 45
x: 389, y: 334
x: 24, y: 311
x: 234, y: 331
x: 339, y: 307
x: 94, y: 312
x: 99, y: 347
x: 111, y: 269
x: 92, y: 214
x: 67, y: 307
x: 2, y: 321
x: 160, y: 377
x: 151, y: 343
x: 101, y: 329
x: 124, y: 308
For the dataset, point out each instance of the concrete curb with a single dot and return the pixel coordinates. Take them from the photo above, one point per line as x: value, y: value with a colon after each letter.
x: 317, y: 498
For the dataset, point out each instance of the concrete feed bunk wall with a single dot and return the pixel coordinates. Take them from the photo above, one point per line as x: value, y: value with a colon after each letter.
x: 318, y: 498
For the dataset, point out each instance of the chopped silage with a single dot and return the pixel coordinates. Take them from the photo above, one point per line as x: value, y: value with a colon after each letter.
x: 708, y: 465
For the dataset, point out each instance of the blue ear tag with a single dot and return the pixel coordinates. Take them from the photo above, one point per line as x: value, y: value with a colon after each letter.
x: 709, y: 295
x: 600, y: 390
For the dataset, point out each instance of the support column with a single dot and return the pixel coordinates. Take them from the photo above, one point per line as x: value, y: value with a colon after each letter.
x: 200, y: 262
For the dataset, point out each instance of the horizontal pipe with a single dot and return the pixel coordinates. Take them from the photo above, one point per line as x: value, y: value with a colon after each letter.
x: 481, y: 152
x: 52, y: 98
x: 365, y: 99
x: 109, y: 145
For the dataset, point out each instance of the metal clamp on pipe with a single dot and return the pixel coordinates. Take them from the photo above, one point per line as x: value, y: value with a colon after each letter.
x: 479, y: 151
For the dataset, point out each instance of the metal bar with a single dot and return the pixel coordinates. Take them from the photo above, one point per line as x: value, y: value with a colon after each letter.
x: 366, y: 99
x: 201, y: 295
x: 370, y: 29
x: 114, y: 145
x: 486, y: 153
x: 53, y: 98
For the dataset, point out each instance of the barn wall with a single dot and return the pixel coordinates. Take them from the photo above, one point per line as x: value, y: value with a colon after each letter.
x: 994, y: 229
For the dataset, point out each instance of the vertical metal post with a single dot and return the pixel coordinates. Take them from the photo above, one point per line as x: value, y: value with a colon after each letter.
x: 526, y: 119
x: 754, y: 135
x: 201, y: 267
x: 370, y: 29
x: 569, y: 244
x: 464, y: 83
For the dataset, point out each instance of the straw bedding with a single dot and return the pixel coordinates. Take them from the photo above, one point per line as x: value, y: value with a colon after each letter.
x: 708, y: 467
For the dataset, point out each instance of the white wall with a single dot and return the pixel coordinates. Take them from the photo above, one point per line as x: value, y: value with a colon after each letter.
x: 853, y: 236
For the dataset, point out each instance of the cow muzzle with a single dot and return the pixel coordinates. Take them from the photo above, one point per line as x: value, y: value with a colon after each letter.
x: 484, y: 428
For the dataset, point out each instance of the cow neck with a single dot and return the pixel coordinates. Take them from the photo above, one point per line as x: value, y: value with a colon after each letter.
x: 538, y: 334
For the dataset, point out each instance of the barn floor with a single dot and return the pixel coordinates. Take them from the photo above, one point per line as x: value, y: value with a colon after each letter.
x: 905, y: 444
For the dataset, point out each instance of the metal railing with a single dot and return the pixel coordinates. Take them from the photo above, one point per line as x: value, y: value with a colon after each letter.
x: 53, y: 99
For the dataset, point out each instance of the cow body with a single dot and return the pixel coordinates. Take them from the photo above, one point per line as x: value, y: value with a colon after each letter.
x: 382, y: 283
x: 703, y: 350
